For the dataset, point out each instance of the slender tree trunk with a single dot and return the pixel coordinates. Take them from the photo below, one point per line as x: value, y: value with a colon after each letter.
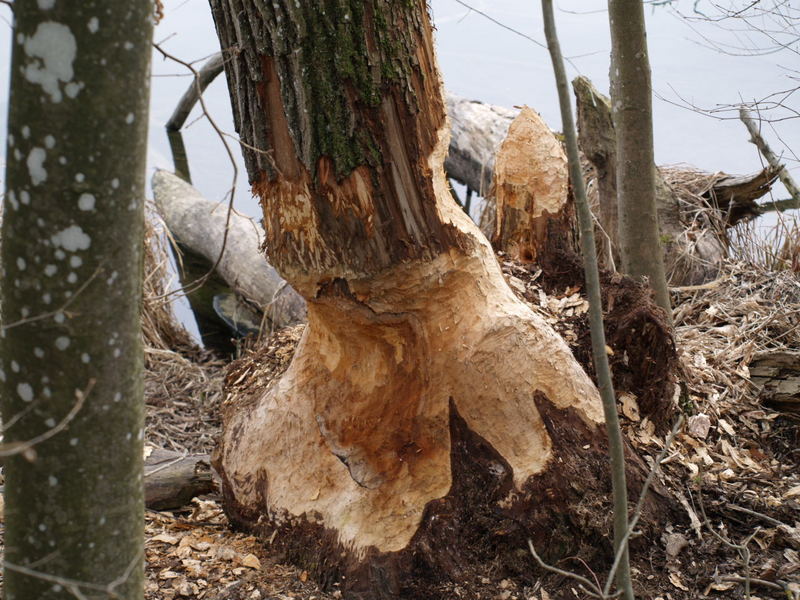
x: 72, y: 259
x: 631, y: 101
x: 599, y: 355
x: 429, y: 421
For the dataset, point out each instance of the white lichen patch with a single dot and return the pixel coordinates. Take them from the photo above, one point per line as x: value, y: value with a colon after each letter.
x: 26, y: 132
x: 46, y: 4
x: 52, y: 49
x: 38, y: 352
x: 50, y: 270
x: 130, y: 118
x: 79, y: 177
x: 86, y: 202
x: 35, y: 164
x: 93, y: 25
x: 15, y: 366
x: 47, y: 298
x: 71, y: 239
x: 73, y: 88
x: 12, y: 199
x: 49, y: 141
x: 21, y: 263
x: 85, y: 358
x: 115, y: 183
x: 24, y: 197
x: 75, y: 261
x: 25, y: 391
x: 62, y: 342
x: 72, y: 278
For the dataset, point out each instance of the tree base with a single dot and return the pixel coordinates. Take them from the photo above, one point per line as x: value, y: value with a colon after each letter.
x: 481, y: 527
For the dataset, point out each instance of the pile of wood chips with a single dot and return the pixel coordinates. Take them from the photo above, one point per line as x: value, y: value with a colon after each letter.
x: 734, y: 466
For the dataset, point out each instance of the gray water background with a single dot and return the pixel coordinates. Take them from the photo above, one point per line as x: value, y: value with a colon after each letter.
x: 482, y: 60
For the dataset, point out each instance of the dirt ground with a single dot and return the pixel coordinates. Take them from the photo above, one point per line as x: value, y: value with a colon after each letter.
x: 733, y: 468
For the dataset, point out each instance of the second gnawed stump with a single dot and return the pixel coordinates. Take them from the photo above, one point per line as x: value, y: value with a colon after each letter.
x: 531, y: 190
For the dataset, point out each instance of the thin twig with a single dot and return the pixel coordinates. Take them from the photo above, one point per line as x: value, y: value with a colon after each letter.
x: 231, y: 192
x: 596, y: 593
x: 14, y: 448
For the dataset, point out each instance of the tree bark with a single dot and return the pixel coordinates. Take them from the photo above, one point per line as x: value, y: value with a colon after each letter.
x: 598, y: 141
x: 418, y: 435
x: 72, y: 270
x: 691, y: 248
x: 631, y: 102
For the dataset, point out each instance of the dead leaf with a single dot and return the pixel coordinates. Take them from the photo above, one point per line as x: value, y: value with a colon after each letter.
x: 794, y: 491
x: 166, y: 538
x: 630, y: 408
x: 675, y: 580
x: 698, y: 426
x: 251, y: 561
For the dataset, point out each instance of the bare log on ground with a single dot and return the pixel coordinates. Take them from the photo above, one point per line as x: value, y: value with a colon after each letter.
x: 777, y: 375
x: 200, y: 225
x: 172, y: 479
x: 734, y: 196
x: 531, y: 190
x: 477, y: 130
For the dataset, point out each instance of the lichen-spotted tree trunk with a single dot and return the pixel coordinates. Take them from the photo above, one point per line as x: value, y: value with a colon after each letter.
x: 632, y: 112
x: 429, y: 422
x: 71, y: 261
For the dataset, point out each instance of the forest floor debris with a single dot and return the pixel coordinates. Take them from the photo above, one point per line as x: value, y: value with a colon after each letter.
x: 736, y: 459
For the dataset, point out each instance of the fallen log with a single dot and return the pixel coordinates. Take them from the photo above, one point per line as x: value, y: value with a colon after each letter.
x: 476, y: 132
x: 200, y: 225
x: 172, y: 479
x: 766, y: 152
x: 777, y: 377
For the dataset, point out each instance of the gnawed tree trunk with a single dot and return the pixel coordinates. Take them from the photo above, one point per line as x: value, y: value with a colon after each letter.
x: 476, y: 132
x: 531, y: 190
x: 429, y: 421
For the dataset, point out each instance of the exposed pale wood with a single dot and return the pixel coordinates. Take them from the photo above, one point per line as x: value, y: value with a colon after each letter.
x: 423, y: 393
x: 172, y: 479
x: 530, y: 189
x: 200, y: 224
